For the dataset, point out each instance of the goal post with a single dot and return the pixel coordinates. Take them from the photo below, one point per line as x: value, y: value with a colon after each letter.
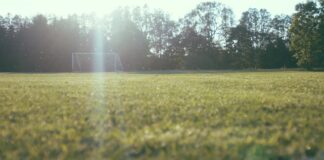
x: 96, y: 62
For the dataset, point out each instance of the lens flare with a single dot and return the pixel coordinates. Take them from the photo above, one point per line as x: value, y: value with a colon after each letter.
x: 99, y: 50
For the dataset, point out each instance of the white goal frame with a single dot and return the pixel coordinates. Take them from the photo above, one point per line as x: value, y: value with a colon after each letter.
x: 77, y: 63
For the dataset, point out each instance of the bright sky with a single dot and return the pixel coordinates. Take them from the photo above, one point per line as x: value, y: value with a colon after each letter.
x: 177, y: 8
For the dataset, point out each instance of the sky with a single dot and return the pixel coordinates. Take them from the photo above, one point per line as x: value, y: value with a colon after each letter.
x: 176, y: 8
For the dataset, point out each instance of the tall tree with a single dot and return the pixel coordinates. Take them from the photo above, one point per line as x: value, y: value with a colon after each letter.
x: 307, y: 35
x: 255, y: 26
x: 212, y: 20
x: 161, y: 31
x: 258, y: 23
x: 280, y: 25
x: 127, y: 40
x: 240, y: 47
x: 209, y: 25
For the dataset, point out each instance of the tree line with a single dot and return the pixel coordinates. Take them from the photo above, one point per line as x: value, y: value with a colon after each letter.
x: 208, y: 37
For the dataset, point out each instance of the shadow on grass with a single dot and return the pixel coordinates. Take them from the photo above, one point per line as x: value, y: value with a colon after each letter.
x: 168, y: 72
x: 215, y: 71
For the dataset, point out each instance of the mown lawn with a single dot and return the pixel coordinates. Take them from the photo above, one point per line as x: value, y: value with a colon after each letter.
x: 215, y: 115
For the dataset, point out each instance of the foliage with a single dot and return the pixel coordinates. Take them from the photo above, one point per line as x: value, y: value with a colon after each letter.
x: 193, y: 115
x: 307, y: 38
x: 148, y: 39
x: 128, y: 41
x: 260, y: 41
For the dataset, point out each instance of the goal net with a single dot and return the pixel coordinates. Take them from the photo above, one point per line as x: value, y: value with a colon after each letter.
x: 96, y: 62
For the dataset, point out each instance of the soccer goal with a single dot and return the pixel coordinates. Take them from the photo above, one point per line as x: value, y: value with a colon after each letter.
x: 96, y: 62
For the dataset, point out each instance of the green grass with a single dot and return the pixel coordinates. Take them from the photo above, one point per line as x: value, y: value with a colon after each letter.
x: 215, y: 115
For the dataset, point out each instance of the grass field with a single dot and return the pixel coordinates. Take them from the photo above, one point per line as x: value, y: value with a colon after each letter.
x: 215, y: 115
